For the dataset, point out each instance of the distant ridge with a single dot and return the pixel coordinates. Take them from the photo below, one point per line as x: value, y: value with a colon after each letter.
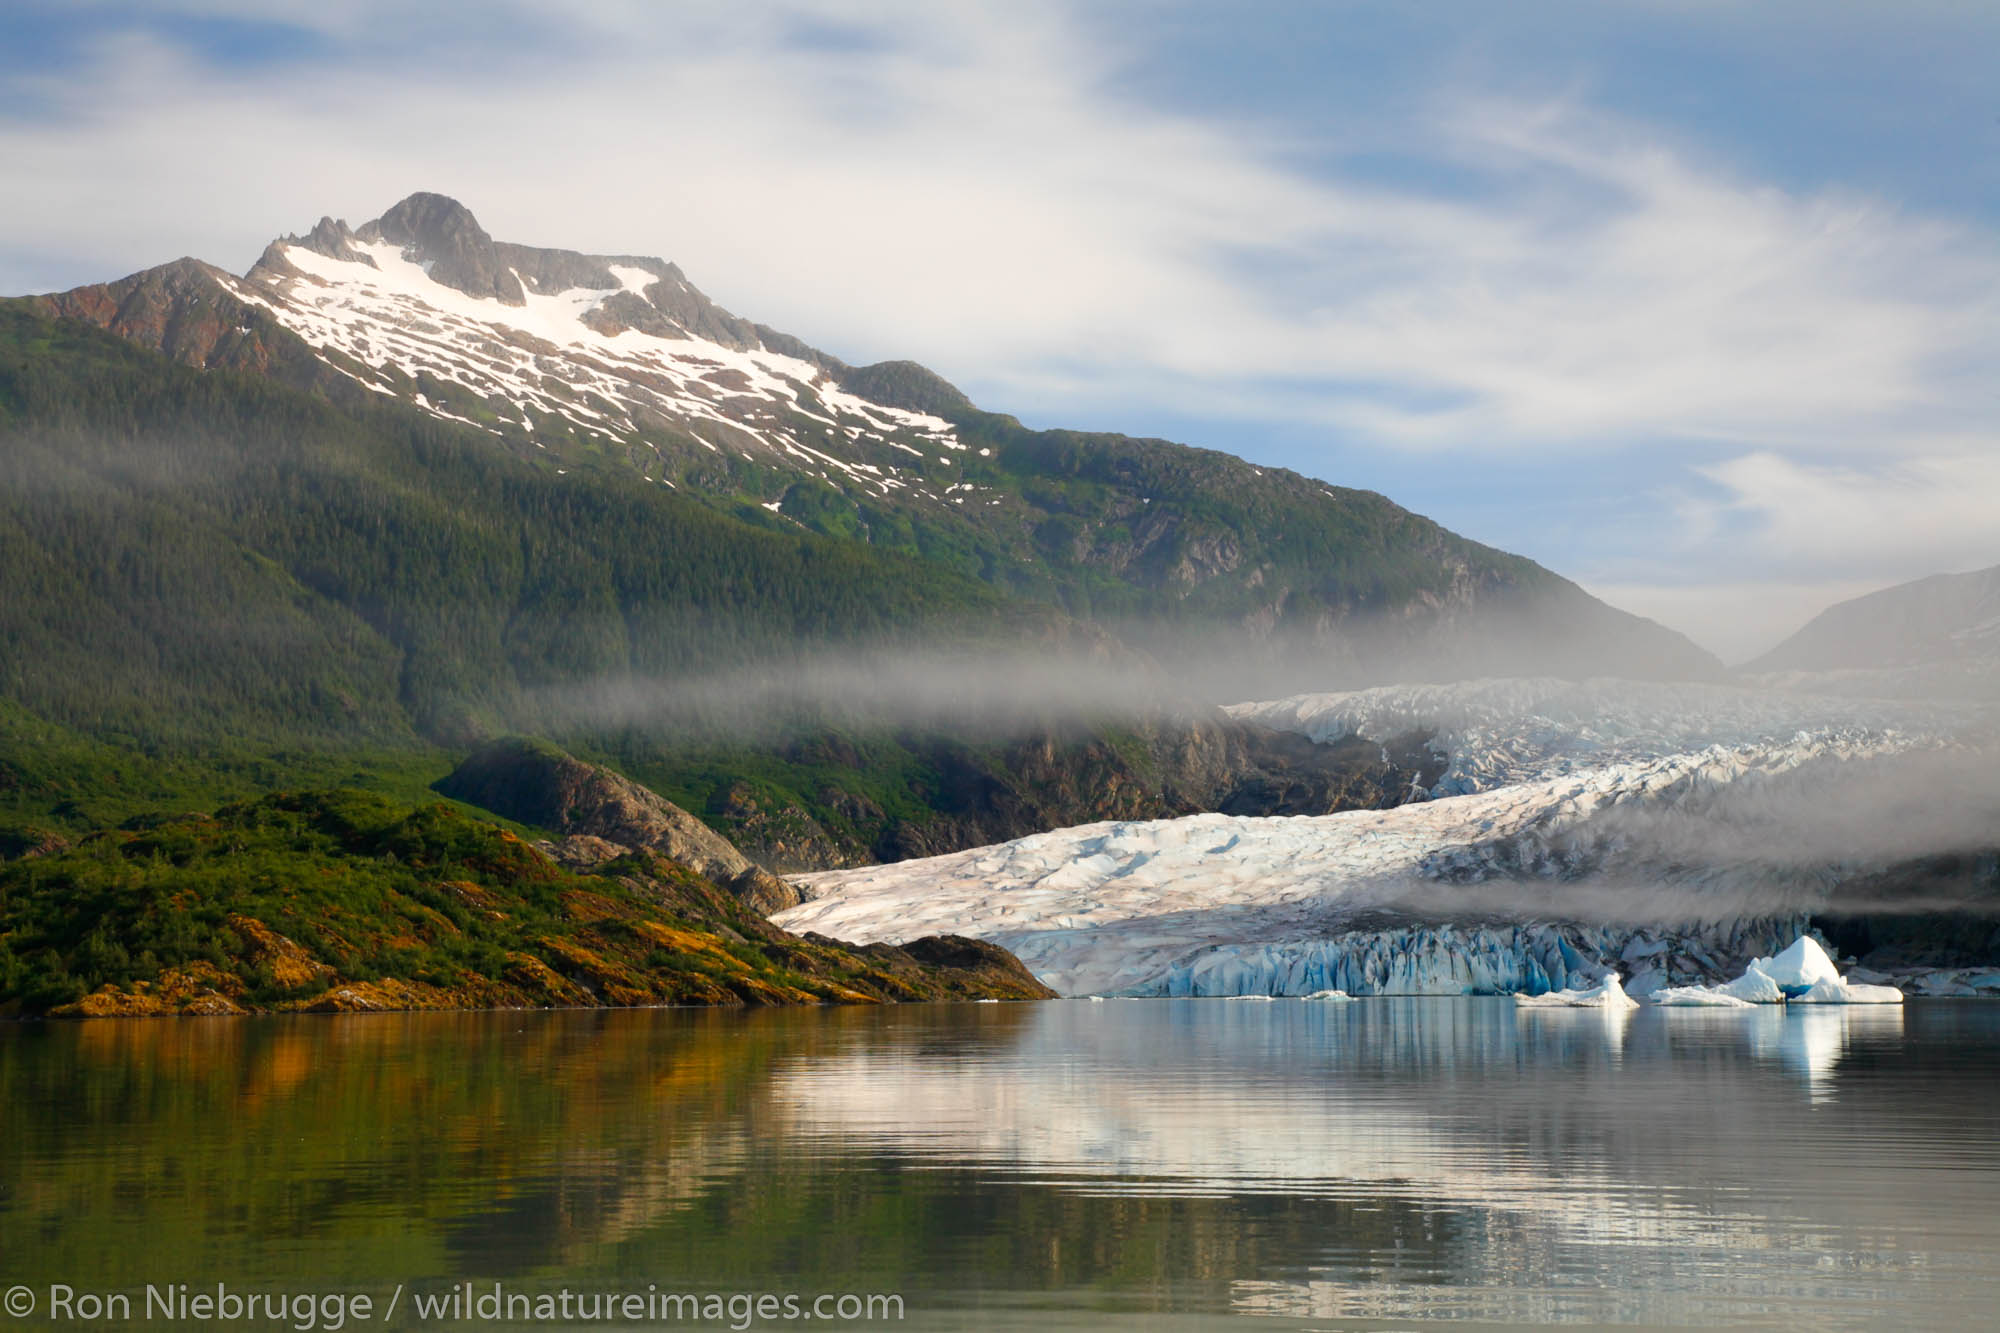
x: 1941, y: 619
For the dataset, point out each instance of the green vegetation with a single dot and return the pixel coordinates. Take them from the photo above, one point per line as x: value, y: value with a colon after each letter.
x: 212, y: 584
x: 189, y: 557
x: 687, y: 1148
x: 344, y: 900
x: 217, y: 583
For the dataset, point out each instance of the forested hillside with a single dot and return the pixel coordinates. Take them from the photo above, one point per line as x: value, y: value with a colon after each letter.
x: 1246, y: 580
x: 197, y: 559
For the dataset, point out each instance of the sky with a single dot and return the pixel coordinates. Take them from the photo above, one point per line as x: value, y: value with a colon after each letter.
x: 1696, y: 302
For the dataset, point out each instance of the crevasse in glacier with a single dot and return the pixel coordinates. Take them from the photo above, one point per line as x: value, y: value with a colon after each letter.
x: 1580, y: 830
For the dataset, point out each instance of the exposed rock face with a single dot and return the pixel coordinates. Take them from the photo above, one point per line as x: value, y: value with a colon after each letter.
x: 539, y: 784
x: 1954, y: 920
x: 178, y: 309
x: 906, y: 384
x: 1171, y: 767
x: 442, y: 233
x: 785, y: 837
x: 978, y: 967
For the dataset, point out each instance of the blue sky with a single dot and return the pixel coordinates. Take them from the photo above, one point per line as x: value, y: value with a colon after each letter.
x: 1696, y: 302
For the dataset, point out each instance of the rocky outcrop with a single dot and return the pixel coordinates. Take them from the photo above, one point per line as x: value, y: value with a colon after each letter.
x: 1952, y: 918
x: 442, y: 233
x: 969, y: 968
x: 1162, y: 768
x: 785, y: 836
x: 180, y: 309
x: 905, y: 384
x: 539, y: 784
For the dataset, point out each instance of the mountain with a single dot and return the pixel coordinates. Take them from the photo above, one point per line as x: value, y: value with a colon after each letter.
x: 212, y: 584
x: 617, y: 365
x: 1944, y: 619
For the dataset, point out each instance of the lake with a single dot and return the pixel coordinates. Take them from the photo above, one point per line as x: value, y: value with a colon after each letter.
x: 1155, y: 1164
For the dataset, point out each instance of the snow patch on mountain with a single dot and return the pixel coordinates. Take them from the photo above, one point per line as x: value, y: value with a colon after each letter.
x: 383, y: 311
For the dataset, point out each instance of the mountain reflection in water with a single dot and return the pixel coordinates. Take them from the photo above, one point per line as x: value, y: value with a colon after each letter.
x: 1056, y: 1165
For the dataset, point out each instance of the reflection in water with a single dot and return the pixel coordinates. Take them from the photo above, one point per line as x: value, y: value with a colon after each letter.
x: 1810, y: 1039
x: 1607, y: 1023
x: 1056, y: 1165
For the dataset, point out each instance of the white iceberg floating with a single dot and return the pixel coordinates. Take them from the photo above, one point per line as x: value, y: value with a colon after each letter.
x: 1606, y: 994
x: 1332, y: 996
x: 1799, y: 968
x: 1267, y: 999
x: 1702, y: 997
x: 1802, y: 974
x: 1836, y: 991
x: 1753, y: 987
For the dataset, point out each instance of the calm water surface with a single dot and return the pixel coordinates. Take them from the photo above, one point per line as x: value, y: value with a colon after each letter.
x: 1156, y: 1164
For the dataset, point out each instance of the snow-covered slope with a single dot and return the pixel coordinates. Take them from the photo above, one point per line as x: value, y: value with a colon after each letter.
x: 618, y: 347
x: 1599, y: 826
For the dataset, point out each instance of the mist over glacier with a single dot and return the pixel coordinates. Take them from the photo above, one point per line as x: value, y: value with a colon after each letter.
x: 1670, y: 832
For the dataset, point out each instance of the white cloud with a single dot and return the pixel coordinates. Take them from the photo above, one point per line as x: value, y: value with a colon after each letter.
x: 967, y: 188
x: 1937, y: 510
x: 967, y: 185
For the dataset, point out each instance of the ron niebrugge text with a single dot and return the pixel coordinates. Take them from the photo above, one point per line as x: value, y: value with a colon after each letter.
x: 466, y: 1302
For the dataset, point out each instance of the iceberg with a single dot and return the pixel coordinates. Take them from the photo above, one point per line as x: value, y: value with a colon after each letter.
x: 1606, y: 994
x: 1835, y: 991
x: 1753, y: 987
x: 1801, y: 974
x: 1699, y: 997
x: 1331, y: 996
x: 1799, y: 968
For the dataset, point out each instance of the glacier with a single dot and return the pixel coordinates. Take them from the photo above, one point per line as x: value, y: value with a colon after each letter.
x: 1577, y: 833
x: 1504, y: 731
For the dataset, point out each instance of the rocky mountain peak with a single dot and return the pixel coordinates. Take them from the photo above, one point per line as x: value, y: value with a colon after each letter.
x: 441, y: 233
x: 616, y: 294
